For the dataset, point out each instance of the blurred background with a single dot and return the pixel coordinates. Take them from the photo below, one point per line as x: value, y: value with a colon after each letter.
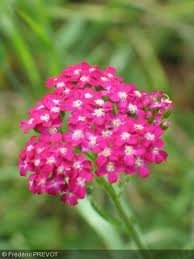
x: 151, y: 43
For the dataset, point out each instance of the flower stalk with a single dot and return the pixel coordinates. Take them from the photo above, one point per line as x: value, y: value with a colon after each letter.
x: 124, y: 217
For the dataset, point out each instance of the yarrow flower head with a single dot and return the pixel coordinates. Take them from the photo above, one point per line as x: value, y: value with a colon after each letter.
x: 91, y: 113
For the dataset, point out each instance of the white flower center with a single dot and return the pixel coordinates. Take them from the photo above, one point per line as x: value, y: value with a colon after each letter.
x: 132, y: 108
x: 110, y: 167
x: 37, y: 162
x: 149, y: 136
x: 155, y: 151
x: 80, y: 182
x: 137, y: 93
x: 125, y: 136
x: 109, y: 75
x: 81, y: 118
x: 55, y: 101
x: 93, y: 140
x: 77, y: 165
x: 50, y: 160
x: 60, y: 85
x: 52, y: 130
x: 103, y: 78
x: 84, y: 78
x: 98, y: 112
x: 60, y: 169
x: 106, y: 152
x: 122, y: 95
x: 30, y: 121
x: 106, y: 133
x: 138, y: 127
x: 99, y: 102
x: 66, y: 179
x: 116, y: 123
x: 39, y: 150
x: 67, y: 90
x: 77, y: 134
x: 55, y: 109
x: 88, y: 95
x: 29, y: 148
x: 129, y: 150
x: 139, y: 162
x: 63, y: 150
x: 77, y: 103
x: 77, y: 71
x: 45, y: 117
x: 42, y: 181
x: 40, y: 107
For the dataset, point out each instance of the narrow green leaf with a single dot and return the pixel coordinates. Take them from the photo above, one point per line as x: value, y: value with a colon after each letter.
x: 36, y: 28
x: 148, y: 59
x: 103, y: 228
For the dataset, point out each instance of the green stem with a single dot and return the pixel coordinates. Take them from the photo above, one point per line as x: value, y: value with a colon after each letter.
x: 121, y: 211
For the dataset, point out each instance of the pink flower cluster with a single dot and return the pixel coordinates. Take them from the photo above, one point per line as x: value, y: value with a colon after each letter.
x: 92, y: 113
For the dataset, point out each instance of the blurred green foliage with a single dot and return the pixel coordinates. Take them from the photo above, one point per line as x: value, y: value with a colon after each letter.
x: 150, y: 42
